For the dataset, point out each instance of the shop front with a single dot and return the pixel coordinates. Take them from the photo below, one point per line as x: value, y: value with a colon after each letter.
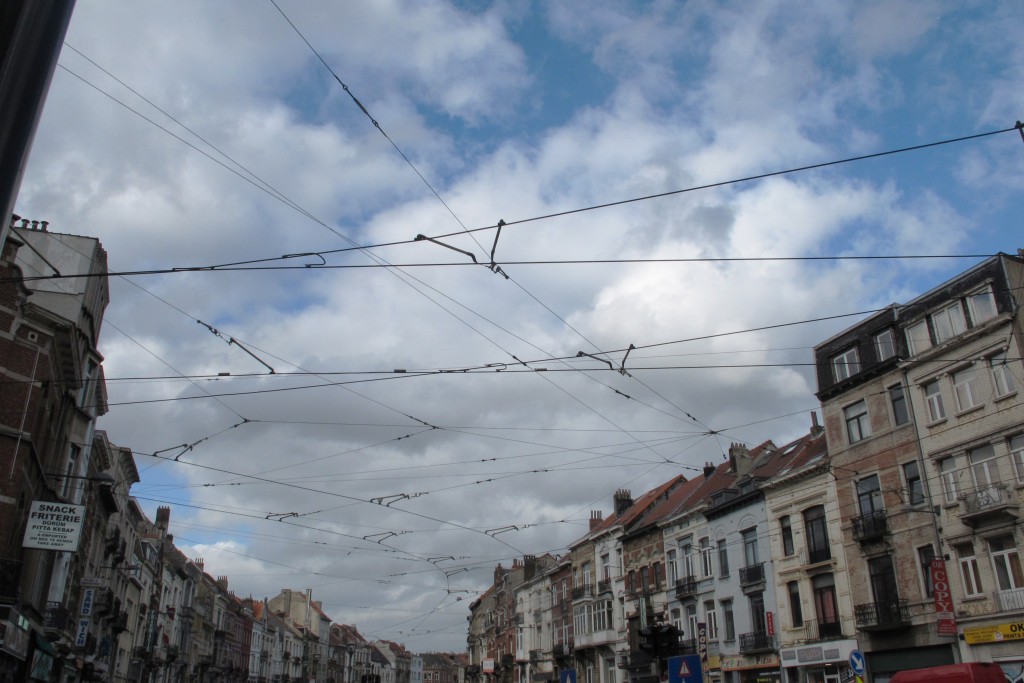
x: 1001, y: 643
x: 751, y: 668
x: 822, y: 663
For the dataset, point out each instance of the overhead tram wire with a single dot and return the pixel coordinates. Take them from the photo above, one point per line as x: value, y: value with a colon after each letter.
x: 463, y: 226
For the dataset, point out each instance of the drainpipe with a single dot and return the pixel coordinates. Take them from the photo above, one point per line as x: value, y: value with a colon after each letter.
x: 933, y: 509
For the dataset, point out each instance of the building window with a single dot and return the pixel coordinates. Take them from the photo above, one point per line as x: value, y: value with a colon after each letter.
x: 606, y: 564
x: 984, y: 468
x: 787, y: 536
x: 948, y: 322
x: 982, y: 306
x: 723, y: 560
x: 858, y: 426
x: 825, y: 607
x: 1002, y: 378
x: 711, y: 619
x: 883, y: 582
x: 670, y: 563
x: 898, y: 399
x: 913, y: 483
x: 645, y: 578
x: 677, y: 619
x: 705, y: 556
x: 846, y: 364
x: 795, y: 610
x: 885, y: 344
x: 758, y: 621
x: 1006, y: 563
x: 950, y: 477
x: 968, y: 569
x: 869, y: 495
x: 691, y: 620
x: 1017, y: 456
x: 933, y: 398
x: 727, y: 618
x: 925, y: 555
x: 750, y: 547
x: 965, y: 389
x: 918, y: 339
x: 686, y: 549
x: 817, y: 534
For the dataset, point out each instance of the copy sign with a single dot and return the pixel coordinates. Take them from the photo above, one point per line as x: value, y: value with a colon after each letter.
x: 945, y: 618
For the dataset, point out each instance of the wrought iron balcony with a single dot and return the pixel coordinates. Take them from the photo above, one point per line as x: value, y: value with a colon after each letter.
x: 689, y: 647
x: 686, y: 587
x: 10, y: 577
x: 882, y: 616
x: 818, y: 629
x: 604, y: 586
x: 816, y: 555
x: 758, y: 641
x: 752, y: 574
x: 584, y: 591
x: 988, y: 505
x: 56, y: 618
x: 871, y: 526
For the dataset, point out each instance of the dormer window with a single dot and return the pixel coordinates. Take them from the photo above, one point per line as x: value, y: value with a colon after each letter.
x: 982, y: 306
x: 846, y: 364
x: 885, y: 344
x: 949, y: 322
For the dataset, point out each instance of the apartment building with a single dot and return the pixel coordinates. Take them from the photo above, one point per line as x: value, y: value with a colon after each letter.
x: 924, y: 426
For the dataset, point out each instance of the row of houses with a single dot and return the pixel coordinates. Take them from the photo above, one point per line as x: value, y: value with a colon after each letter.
x: 890, y: 531
x: 91, y: 589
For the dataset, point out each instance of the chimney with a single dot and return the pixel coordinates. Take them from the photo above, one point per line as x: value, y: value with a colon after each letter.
x: 739, y: 458
x: 163, y: 517
x: 709, y: 469
x: 595, y: 518
x: 222, y: 583
x: 529, y: 567
x: 816, y: 428
x: 623, y: 501
x: 200, y: 563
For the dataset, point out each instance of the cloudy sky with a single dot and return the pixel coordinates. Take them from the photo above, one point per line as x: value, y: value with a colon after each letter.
x: 194, y: 134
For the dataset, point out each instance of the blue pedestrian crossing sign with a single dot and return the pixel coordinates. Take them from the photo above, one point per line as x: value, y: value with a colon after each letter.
x: 857, y: 662
x: 685, y: 669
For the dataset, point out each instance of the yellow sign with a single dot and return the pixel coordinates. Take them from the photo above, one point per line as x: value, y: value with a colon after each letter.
x: 994, y: 634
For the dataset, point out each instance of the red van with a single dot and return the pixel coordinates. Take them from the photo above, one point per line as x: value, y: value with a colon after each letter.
x: 972, y: 672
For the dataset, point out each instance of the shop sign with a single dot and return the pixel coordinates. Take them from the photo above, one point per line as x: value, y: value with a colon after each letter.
x: 487, y: 666
x: 994, y: 634
x: 53, y: 526
x: 14, y: 635
x: 88, y: 596
x: 92, y: 581
x: 732, y: 663
x: 702, y: 649
x: 82, y: 633
x: 945, y: 618
x: 770, y: 622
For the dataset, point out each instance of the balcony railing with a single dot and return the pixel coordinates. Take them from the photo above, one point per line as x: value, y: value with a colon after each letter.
x: 10, y: 577
x: 604, y: 586
x: 870, y: 526
x: 816, y: 555
x: 817, y: 629
x: 882, y: 616
x: 56, y: 617
x: 758, y: 641
x: 988, y: 504
x: 685, y: 586
x: 689, y: 647
x: 584, y: 591
x: 752, y: 574
x: 1010, y: 600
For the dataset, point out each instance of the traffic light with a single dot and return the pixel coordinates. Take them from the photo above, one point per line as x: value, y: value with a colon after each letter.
x: 649, y: 640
